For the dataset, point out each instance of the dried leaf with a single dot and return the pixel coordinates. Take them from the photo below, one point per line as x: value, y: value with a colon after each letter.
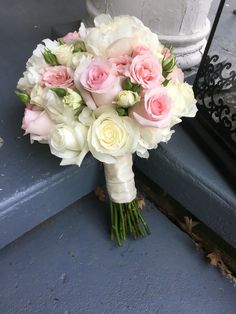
x: 141, y: 202
x: 100, y: 194
x: 216, y: 261
x: 188, y: 224
x: 214, y: 258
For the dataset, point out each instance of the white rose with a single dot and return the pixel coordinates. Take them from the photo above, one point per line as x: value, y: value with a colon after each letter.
x: 150, y: 138
x: 64, y: 54
x: 72, y: 99
x: 127, y: 98
x: 183, y: 101
x: 112, y: 136
x: 69, y: 142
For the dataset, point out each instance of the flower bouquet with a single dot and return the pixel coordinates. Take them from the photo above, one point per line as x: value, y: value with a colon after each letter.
x: 111, y: 90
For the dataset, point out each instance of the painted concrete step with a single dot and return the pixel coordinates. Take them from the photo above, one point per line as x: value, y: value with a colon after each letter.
x: 185, y: 171
x: 33, y: 186
x: 69, y: 265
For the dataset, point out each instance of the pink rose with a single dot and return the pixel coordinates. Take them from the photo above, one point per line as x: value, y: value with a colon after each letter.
x: 57, y: 76
x: 154, y: 110
x: 36, y: 121
x: 146, y: 70
x: 176, y: 76
x: 122, y: 64
x: 100, y: 80
x: 140, y: 50
x: 98, y: 76
x: 71, y: 36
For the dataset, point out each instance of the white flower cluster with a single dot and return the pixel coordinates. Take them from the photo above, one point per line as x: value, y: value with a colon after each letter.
x: 111, y: 89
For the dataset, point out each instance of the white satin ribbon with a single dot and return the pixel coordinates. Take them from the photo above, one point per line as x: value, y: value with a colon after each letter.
x: 120, y: 180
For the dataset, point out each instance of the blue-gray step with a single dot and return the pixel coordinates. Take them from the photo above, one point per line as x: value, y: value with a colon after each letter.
x: 185, y: 171
x: 69, y: 265
x: 33, y: 186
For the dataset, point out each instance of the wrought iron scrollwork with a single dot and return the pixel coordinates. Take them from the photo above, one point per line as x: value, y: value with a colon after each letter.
x: 215, y: 91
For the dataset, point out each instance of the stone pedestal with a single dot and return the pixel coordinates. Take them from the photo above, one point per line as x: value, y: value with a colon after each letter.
x: 183, y: 24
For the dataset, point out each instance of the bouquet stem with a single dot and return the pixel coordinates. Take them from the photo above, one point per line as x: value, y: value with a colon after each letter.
x: 126, y: 219
x: 126, y: 215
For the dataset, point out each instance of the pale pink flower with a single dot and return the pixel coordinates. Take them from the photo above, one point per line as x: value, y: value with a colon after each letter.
x: 176, y: 76
x: 57, y: 76
x: 122, y: 64
x: 140, y: 50
x: 71, y: 37
x: 98, y: 76
x: 146, y: 70
x: 154, y: 109
x: 36, y: 121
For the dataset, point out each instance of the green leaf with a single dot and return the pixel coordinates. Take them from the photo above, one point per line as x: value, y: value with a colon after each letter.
x: 122, y: 111
x: 136, y: 88
x: 79, y: 46
x: 61, y: 92
x: 127, y: 84
x: 165, y: 83
x: 23, y: 96
x: 49, y: 57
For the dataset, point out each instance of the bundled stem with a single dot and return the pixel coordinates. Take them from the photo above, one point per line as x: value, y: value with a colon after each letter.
x: 126, y: 219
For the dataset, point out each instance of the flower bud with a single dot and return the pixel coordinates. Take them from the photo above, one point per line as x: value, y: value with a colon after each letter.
x: 169, y: 63
x: 49, y: 57
x: 23, y: 96
x: 127, y: 98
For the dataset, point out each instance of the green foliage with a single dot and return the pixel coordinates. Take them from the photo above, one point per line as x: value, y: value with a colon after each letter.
x: 49, y: 57
x: 122, y: 111
x: 128, y: 85
x: 23, y: 96
x: 60, y: 92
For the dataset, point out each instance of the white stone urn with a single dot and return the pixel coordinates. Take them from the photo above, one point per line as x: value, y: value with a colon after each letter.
x: 183, y: 24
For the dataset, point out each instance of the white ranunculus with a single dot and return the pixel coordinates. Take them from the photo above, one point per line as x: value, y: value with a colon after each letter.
x: 69, y: 142
x: 72, y: 99
x: 150, y: 138
x: 64, y: 54
x: 183, y: 101
x: 127, y: 29
x: 57, y: 110
x: 111, y: 136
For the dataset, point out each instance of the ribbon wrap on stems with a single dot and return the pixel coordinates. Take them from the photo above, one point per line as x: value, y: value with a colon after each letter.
x: 120, y: 180
x: 126, y: 217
